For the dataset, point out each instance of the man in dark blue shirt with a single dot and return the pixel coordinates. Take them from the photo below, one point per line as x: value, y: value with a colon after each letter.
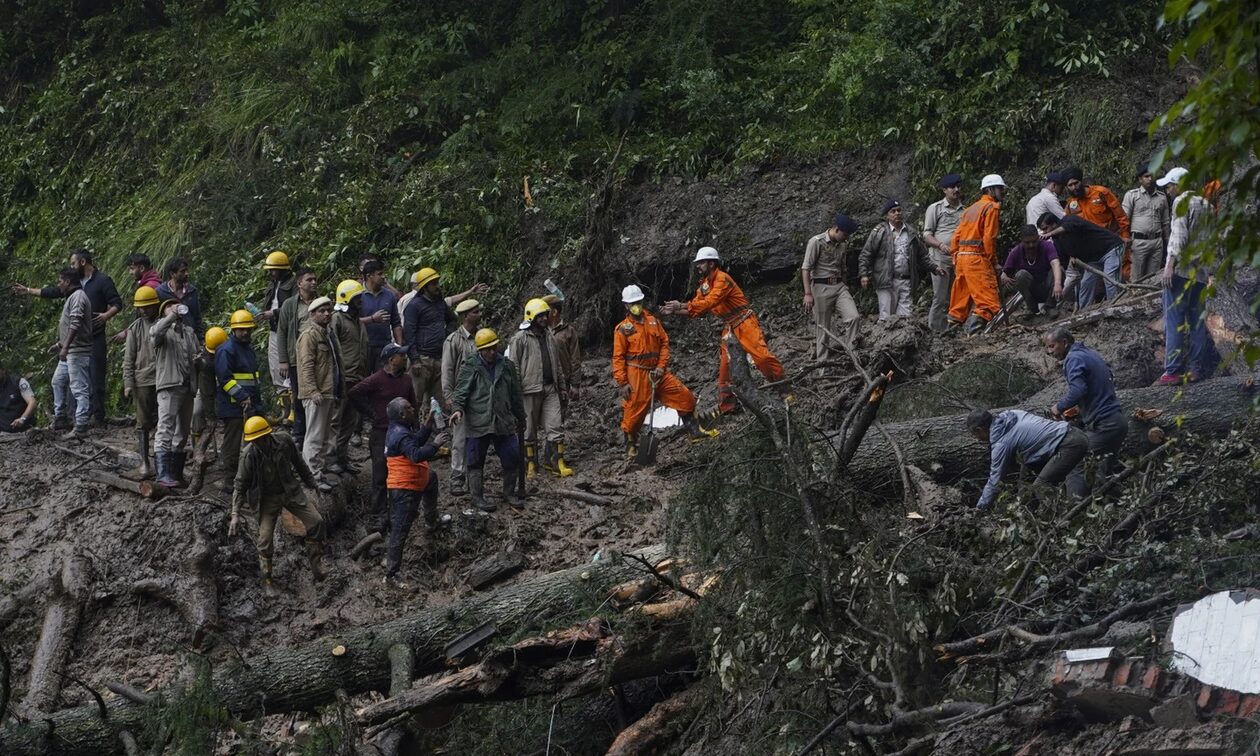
x: 1091, y: 394
x: 106, y: 303
x: 378, y: 310
x: 428, y: 316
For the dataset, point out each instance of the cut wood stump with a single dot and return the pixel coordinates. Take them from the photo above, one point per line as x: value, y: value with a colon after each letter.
x: 146, y: 488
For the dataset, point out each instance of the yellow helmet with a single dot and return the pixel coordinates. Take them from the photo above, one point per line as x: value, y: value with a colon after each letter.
x: 347, y: 290
x: 256, y: 427
x: 145, y: 296
x: 486, y: 338
x: 241, y: 319
x: 534, y: 308
x: 276, y: 261
x: 423, y: 276
x: 215, y: 337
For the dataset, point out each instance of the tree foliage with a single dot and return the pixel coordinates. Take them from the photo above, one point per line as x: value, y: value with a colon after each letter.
x: 1214, y: 131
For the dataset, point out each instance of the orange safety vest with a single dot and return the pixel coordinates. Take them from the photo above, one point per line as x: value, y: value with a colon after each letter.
x: 978, y: 229
x: 639, y: 344
x: 720, y: 295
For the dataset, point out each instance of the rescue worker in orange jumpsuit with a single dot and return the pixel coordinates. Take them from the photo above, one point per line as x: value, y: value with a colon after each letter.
x: 639, y: 361
x: 975, y: 253
x: 1098, y: 205
x: 719, y: 294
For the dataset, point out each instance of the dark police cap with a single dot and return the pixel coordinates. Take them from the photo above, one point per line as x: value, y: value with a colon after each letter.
x: 845, y: 223
x: 948, y: 180
x: 889, y: 204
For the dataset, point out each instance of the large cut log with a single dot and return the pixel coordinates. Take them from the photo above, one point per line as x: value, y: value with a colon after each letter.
x: 306, y: 676
x: 942, y: 446
x: 71, y: 590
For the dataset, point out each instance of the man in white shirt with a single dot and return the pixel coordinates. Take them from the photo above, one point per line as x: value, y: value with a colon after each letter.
x: 1046, y: 200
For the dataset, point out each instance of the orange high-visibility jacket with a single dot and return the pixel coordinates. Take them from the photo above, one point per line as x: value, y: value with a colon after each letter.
x: 720, y: 295
x: 642, y: 344
x: 978, y: 229
x: 1100, y: 207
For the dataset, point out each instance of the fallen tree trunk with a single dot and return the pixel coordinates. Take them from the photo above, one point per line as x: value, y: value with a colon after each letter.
x: 942, y: 445
x: 565, y: 663
x: 307, y: 676
x: 71, y: 590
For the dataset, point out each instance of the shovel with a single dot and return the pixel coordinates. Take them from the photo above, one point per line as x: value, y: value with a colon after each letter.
x: 646, y: 454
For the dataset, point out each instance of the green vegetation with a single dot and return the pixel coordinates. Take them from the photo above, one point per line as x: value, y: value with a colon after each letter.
x: 221, y: 130
x: 1215, y: 128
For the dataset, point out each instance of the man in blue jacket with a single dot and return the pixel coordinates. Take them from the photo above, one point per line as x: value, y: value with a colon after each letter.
x: 1091, y: 392
x: 239, y: 396
x: 409, y: 445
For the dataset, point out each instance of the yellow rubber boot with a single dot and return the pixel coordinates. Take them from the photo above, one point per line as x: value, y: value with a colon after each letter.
x: 562, y: 469
x: 531, y: 461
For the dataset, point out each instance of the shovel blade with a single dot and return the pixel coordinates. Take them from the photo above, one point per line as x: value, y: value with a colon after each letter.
x: 646, y: 454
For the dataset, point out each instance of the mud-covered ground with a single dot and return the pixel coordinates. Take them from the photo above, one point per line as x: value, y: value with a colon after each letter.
x: 51, y: 512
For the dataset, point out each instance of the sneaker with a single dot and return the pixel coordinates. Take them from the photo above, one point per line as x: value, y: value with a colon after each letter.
x: 77, y: 433
x: 1168, y: 379
x: 62, y: 423
x: 1192, y: 377
x: 337, y: 468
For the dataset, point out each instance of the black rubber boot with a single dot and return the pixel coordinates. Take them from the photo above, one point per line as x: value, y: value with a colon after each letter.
x: 509, y: 489
x: 476, y: 488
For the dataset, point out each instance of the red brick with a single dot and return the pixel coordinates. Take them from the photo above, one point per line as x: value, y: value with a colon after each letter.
x: 1152, y: 678
x: 1249, y: 707
x: 1227, y: 702
x: 1206, y: 694
x: 1121, y: 676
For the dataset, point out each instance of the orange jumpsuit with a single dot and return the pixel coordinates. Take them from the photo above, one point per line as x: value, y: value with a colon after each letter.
x: 720, y: 295
x: 974, y: 249
x: 639, y: 346
x: 1100, y: 207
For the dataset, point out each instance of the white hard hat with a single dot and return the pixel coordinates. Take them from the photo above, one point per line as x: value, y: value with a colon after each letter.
x: 632, y: 294
x: 706, y: 253
x: 991, y: 180
x: 1173, y: 176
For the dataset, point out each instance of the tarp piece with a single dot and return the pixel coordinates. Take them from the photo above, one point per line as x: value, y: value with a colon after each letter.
x: 1216, y: 640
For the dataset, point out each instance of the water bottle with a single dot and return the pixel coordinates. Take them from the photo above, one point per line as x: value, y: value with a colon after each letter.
x: 181, y: 309
x: 253, y: 309
x: 439, y: 421
x: 551, y: 287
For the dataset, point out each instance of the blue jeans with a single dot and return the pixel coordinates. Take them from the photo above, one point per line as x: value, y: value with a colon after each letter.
x: 506, y: 447
x: 1187, y: 343
x: 72, y: 388
x: 1109, y: 264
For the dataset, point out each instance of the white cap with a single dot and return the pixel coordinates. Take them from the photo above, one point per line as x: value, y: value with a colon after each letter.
x: 991, y: 180
x: 1174, y: 176
x: 319, y: 302
x: 632, y: 294
x: 706, y: 253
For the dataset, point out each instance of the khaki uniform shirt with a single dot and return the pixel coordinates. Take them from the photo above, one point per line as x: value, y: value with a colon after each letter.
x: 1148, y: 212
x: 825, y: 258
x: 272, y: 473
x: 941, y: 221
x: 526, y: 350
x: 570, y: 351
x: 175, y: 351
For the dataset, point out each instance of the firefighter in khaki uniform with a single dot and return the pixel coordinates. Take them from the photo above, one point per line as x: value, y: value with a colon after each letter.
x: 639, y: 361
x: 269, y: 469
x: 140, y: 374
x: 975, y: 253
x: 719, y: 294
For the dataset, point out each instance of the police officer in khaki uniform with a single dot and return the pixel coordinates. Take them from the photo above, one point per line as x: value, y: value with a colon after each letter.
x: 1150, y: 220
x: 939, y: 223
x: 827, y: 297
